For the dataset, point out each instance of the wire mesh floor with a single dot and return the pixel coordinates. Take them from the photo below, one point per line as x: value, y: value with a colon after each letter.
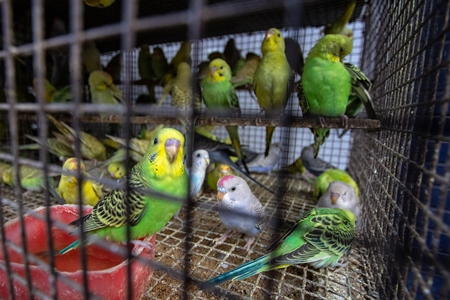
x: 353, y: 281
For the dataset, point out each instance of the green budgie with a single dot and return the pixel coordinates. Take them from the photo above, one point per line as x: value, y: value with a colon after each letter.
x: 220, y: 97
x: 326, y: 84
x: 330, y: 175
x: 161, y: 170
x: 320, y: 238
x: 272, y: 79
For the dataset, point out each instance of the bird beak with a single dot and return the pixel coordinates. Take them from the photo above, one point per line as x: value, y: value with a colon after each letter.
x: 207, y: 161
x: 334, y: 197
x: 212, y: 70
x: 220, y: 196
x: 269, y: 33
x: 172, y: 147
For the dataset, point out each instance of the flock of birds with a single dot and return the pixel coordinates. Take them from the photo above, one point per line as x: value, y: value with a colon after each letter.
x: 328, y: 88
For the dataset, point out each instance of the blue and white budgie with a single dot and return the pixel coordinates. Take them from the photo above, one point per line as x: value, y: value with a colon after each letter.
x: 239, y: 209
x: 265, y: 164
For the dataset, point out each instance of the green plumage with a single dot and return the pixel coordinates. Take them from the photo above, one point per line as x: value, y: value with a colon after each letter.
x: 160, y: 170
x: 324, y: 180
x: 272, y: 78
x: 320, y: 238
x: 326, y: 83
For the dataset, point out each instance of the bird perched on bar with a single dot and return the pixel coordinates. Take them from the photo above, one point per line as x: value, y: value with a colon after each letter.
x: 91, y: 192
x: 339, y: 26
x: 90, y: 147
x: 221, y: 98
x: 103, y: 90
x: 265, y: 164
x: 325, y: 86
x: 215, y: 172
x: 272, y: 79
x: 239, y: 210
x: 161, y: 170
x: 314, y: 165
x: 320, y: 239
x: 330, y: 175
x: 341, y: 195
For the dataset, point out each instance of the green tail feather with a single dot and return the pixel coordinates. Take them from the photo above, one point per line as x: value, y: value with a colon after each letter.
x: 246, y: 270
x: 269, y: 133
x: 234, y: 136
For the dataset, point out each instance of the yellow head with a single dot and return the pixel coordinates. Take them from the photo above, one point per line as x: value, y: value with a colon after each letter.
x: 116, y: 170
x: 71, y: 164
x: 333, y: 47
x: 273, y: 41
x: 219, y: 71
x: 100, y: 80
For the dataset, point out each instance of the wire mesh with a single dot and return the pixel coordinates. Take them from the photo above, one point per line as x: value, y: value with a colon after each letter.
x: 403, y: 170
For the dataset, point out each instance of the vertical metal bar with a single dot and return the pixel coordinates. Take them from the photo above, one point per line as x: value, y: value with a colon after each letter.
x: 128, y: 37
x: 6, y: 11
x: 12, y: 100
x: 194, y: 33
x: 39, y: 71
x: 76, y: 28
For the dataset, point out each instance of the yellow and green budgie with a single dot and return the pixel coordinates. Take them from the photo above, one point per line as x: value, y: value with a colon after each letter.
x: 31, y: 179
x: 161, y: 170
x: 272, y: 79
x: 320, y: 238
x: 91, y: 192
x: 325, y: 86
x: 90, y: 147
x: 330, y: 175
x: 221, y: 98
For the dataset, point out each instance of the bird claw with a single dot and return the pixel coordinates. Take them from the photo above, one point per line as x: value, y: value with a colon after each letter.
x: 221, y: 239
x: 144, y: 244
x: 250, y: 241
x: 322, y: 121
x: 344, y: 120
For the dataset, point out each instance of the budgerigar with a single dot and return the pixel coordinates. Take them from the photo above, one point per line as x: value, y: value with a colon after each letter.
x: 99, y: 3
x: 325, y: 86
x: 265, y: 164
x: 31, y: 179
x: 183, y: 55
x: 91, y: 192
x: 103, y: 90
x: 330, y: 175
x: 239, y: 209
x: 320, y: 239
x: 161, y: 170
x: 314, y: 165
x: 341, y: 195
x: 159, y: 63
x: 339, y: 26
x: 4, y: 168
x: 54, y: 146
x: 197, y: 173
x: 90, y: 57
x: 215, y: 172
x: 245, y: 74
x: 272, y: 79
x: 116, y: 169
x: 145, y: 68
x: 51, y: 94
x: 221, y: 98
x: 90, y: 147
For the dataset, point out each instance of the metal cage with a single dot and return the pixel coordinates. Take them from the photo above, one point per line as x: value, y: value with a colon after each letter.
x: 401, y: 161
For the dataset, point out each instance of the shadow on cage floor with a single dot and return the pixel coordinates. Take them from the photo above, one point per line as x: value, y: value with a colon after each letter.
x: 355, y: 281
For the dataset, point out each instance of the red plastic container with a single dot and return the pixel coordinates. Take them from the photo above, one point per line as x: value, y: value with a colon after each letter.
x: 106, y: 271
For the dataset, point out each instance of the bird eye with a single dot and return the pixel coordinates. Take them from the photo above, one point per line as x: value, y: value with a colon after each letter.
x: 198, y: 154
x: 221, y: 67
x: 220, y: 74
x: 341, y: 49
x: 278, y: 35
x: 155, y: 141
x: 233, y: 188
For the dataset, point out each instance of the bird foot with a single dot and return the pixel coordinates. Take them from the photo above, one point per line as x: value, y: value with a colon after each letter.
x: 322, y: 121
x: 250, y: 241
x: 340, y: 266
x: 344, y: 120
x: 142, y: 243
x: 28, y: 194
x: 222, y: 238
